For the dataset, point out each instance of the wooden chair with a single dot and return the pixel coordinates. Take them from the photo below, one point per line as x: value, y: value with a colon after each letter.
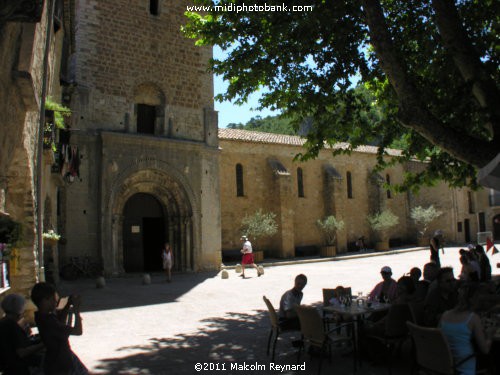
x: 314, y: 334
x: 432, y: 351
x: 276, y: 330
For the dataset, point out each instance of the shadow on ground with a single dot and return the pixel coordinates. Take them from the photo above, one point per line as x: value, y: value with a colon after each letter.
x: 113, y: 296
x: 235, y: 339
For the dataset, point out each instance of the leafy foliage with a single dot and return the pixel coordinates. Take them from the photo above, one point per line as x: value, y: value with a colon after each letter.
x: 329, y: 226
x: 431, y: 80
x: 260, y: 224
x: 10, y: 231
x: 60, y: 112
x: 423, y: 217
x: 269, y: 124
x: 382, y: 221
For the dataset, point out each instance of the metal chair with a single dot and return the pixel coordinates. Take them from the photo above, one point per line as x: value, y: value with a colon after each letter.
x: 276, y: 330
x: 314, y: 334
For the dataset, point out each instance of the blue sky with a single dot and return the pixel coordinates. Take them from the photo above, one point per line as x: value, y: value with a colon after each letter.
x: 229, y: 112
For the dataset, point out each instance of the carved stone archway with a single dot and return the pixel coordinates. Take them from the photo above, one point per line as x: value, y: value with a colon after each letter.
x: 177, y: 203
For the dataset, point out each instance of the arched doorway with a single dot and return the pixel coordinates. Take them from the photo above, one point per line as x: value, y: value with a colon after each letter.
x: 143, y: 233
x: 496, y: 227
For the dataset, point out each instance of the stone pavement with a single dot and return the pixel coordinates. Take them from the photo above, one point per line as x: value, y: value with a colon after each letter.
x: 167, y: 328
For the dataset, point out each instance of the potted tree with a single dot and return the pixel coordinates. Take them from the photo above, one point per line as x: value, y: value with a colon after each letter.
x: 422, y: 218
x: 380, y: 223
x: 258, y: 225
x: 329, y: 227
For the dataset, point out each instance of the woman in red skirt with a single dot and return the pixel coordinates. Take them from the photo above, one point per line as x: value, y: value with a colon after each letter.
x: 247, y: 258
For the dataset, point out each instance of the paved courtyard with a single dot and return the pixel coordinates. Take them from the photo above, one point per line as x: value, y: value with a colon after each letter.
x: 167, y: 328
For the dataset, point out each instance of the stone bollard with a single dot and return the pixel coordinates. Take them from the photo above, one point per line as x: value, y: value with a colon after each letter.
x: 100, y: 282
x: 261, y: 269
x: 224, y: 274
x: 146, y: 279
x: 238, y: 268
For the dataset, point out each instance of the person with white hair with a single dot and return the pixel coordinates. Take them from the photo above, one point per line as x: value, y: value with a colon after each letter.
x: 247, y: 258
x: 17, y: 352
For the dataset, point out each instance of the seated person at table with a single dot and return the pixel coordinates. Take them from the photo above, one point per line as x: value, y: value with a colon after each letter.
x: 288, y: 318
x: 463, y: 329
x: 441, y: 298
x: 54, y: 330
x: 467, y: 273
x: 484, y: 263
x: 18, y: 353
x: 430, y: 273
x: 339, y: 292
x: 386, y: 289
x: 415, y: 274
x: 406, y: 290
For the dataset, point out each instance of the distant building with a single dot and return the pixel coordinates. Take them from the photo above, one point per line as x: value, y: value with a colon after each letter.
x: 258, y: 171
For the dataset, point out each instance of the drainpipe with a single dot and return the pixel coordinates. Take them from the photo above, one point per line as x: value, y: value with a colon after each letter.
x: 39, y: 156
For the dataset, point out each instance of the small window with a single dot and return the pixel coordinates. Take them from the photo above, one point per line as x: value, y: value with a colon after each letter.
x: 349, y: 185
x: 300, y: 183
x: 146, y: 116
x: 154, y: 7
x: 470, y: 204
x: 459, y: 227
x: 239, y: 180
x: 388, y: 182
x: 482, y: 221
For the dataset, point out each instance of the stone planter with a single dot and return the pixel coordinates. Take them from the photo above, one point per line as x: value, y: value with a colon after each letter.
x: 328, y: 251
x: 382, y: 246
x: 258, y: 256
x: 422, y: 242
x: 50, y: 241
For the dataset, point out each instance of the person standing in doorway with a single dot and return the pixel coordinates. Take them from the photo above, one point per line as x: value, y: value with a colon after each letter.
x: 167, y: 257
x: 247, y: 258
x: 435, y: 246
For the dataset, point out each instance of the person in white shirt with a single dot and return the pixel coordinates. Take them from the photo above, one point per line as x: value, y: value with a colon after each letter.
x: 247, y: 258
x: 168, y: 260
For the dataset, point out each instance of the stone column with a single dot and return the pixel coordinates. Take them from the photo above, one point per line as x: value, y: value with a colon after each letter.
x: 285, y: 216
x: 187, y: 222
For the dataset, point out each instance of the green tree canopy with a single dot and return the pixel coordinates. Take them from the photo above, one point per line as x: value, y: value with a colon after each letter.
x: 432, y: 67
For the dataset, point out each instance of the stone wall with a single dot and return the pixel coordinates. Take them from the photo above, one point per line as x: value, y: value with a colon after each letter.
x: 324, y: 195
x: 22, y: 47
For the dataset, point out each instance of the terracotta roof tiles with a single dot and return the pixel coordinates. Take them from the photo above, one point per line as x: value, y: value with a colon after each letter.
x: 289, y: 140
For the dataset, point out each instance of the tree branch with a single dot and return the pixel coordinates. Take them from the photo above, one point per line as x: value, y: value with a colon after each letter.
x: 412, y: 111
x: 468, y: 61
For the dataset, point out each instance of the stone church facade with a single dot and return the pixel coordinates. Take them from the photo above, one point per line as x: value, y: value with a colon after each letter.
x: 146, y: 132
x: 143, y: 161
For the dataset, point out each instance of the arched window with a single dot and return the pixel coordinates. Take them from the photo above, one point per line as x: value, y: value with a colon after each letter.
x: 239, y: 180
x: 349, y: 185
x: 300, y: 183
x: 388, y: 181
x: 154, y: 7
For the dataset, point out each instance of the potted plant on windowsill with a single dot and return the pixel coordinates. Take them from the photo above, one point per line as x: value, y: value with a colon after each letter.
x: 50, y: 237
x: 380, y: 223
x: 329, y: 227
x: 422, y: 218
